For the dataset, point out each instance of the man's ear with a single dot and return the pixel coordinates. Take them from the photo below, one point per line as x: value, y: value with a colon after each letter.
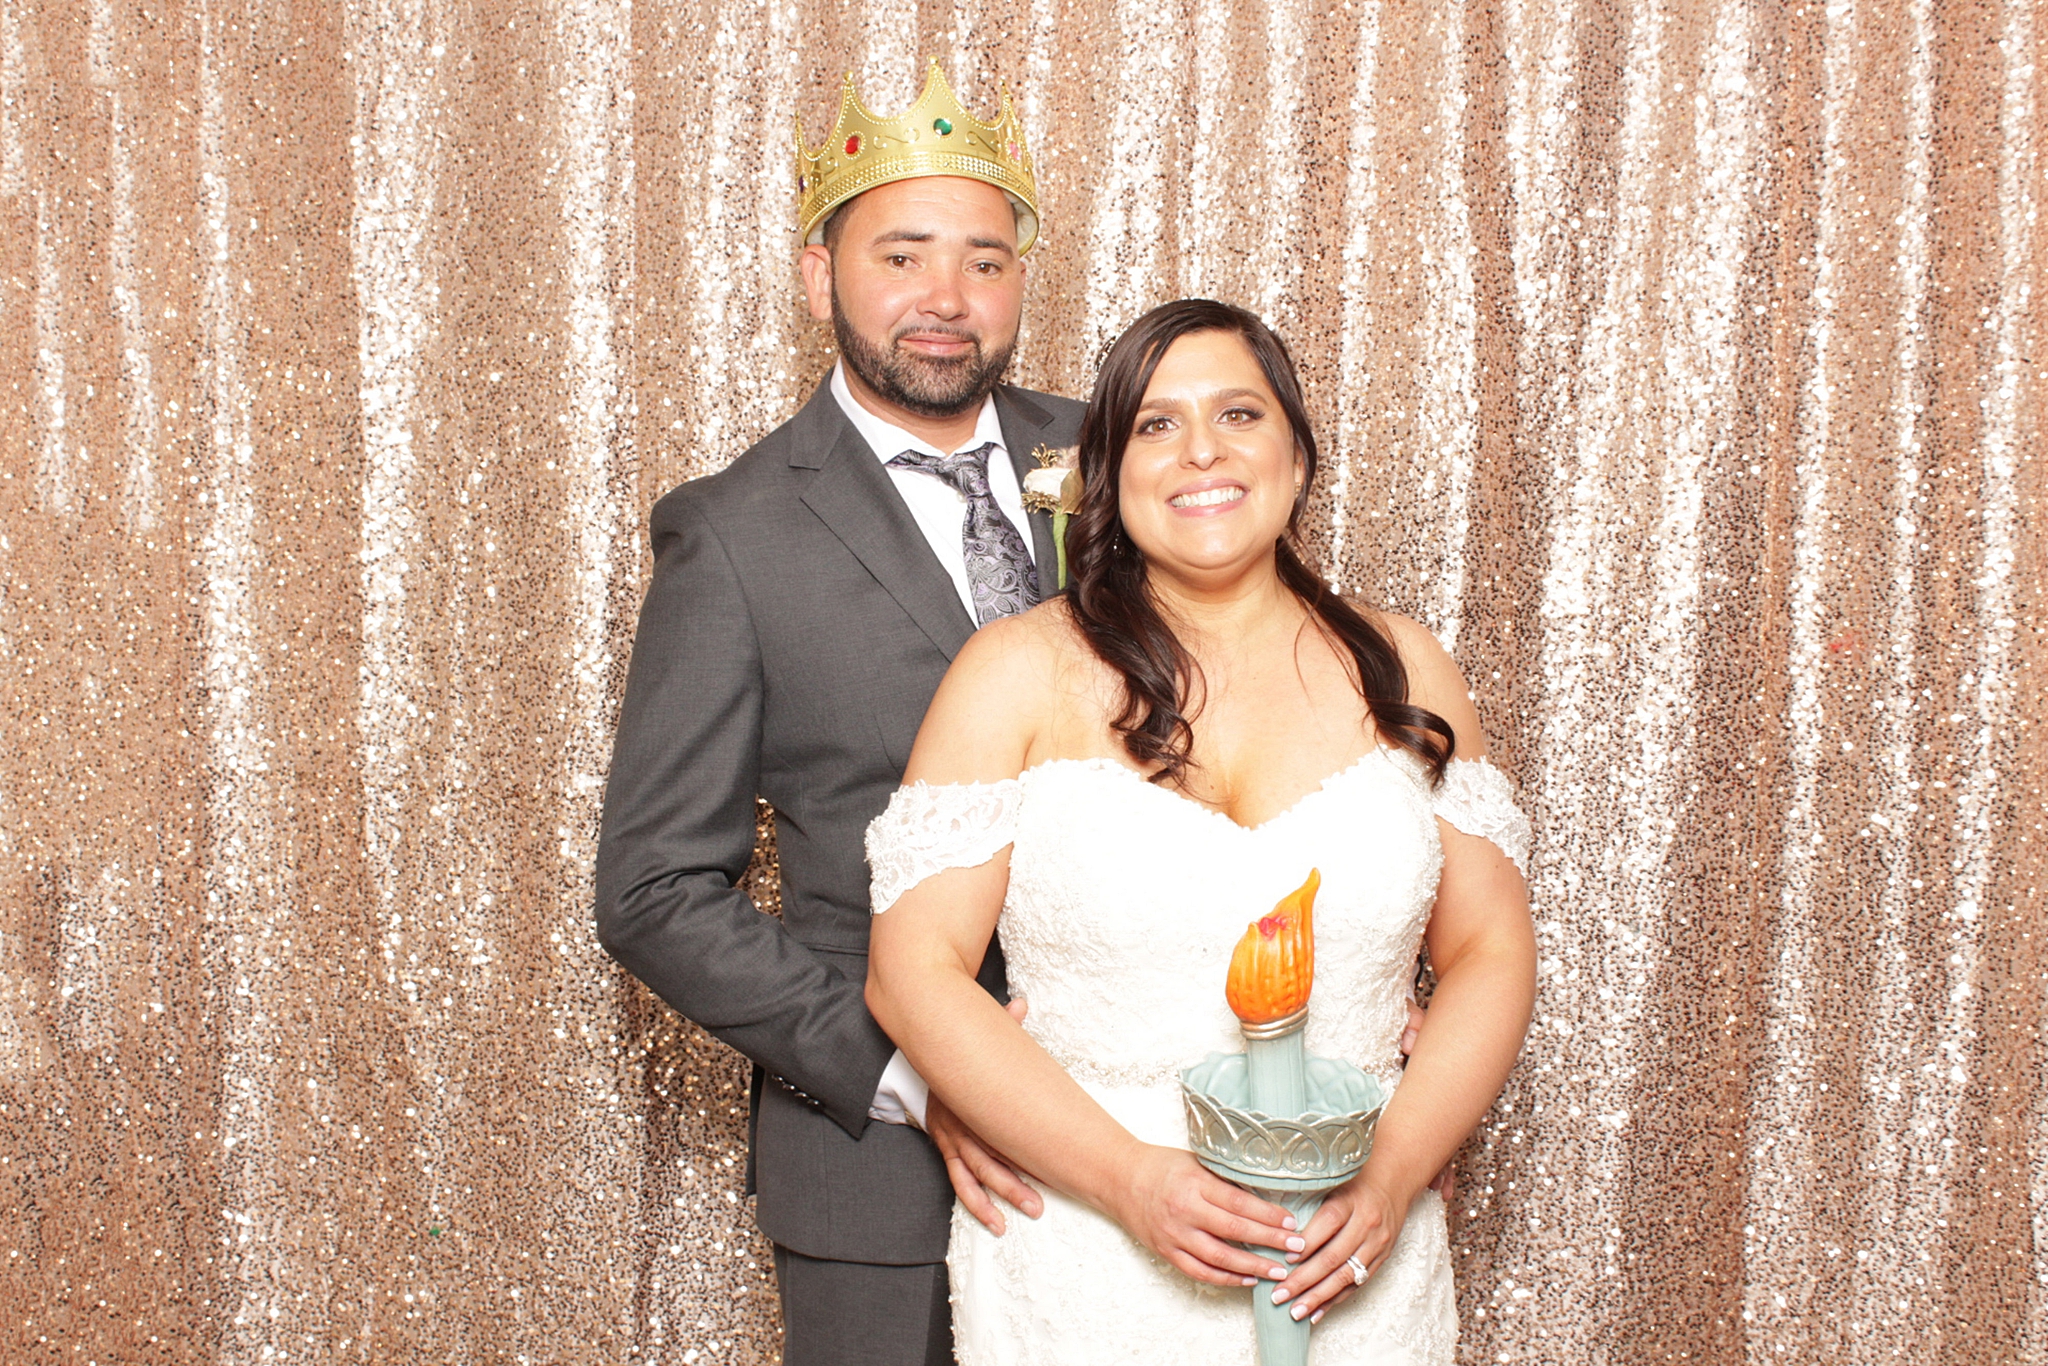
x: 816, y: 265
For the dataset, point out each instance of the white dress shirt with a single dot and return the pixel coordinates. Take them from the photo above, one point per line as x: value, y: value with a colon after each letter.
x: 941, y: 514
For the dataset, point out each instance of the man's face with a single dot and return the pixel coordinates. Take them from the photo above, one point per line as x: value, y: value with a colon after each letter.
x: 924, y: 288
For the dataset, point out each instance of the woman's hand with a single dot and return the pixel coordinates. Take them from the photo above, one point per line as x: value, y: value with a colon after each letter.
x: 1193, y: 1218
x: 1356, y: 1220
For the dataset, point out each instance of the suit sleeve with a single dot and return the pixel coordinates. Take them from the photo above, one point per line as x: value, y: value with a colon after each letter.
x: 678, y: 832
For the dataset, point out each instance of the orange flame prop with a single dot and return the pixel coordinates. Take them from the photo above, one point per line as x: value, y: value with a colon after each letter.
x: 1274, y: 967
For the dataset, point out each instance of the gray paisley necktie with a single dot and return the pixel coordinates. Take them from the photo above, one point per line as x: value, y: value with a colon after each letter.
x: 1000, y: 575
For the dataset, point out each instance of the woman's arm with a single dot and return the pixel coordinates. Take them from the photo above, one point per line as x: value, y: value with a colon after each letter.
x: 923, y: 952
x: 1483, y: 947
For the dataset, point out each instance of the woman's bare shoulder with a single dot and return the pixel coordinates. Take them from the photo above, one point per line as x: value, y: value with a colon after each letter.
x: 1434, y: 680
x: 1028, y: 650
x: 1417, y: 643
x: 1003, y: 692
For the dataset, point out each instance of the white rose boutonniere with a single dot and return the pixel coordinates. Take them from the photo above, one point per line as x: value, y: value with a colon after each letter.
x: 1052, y: 489
x: 1055, y: 487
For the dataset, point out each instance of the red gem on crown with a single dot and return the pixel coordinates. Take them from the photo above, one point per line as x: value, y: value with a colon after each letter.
x: 853, y: 145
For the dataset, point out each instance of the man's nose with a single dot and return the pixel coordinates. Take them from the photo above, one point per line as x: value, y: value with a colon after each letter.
x: 943, y: 299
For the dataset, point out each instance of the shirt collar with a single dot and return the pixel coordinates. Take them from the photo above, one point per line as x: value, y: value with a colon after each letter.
x: 887, y: 440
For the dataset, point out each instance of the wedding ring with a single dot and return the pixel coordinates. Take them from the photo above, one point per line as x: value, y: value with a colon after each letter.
x: 1356, y: 1268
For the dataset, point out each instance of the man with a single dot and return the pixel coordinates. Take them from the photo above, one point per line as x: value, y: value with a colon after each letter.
x: 805, y: 603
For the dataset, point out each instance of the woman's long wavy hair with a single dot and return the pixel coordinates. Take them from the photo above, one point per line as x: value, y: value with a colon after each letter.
x: 1113, y: 602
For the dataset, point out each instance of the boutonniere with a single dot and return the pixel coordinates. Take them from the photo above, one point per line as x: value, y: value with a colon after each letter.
x: 1055, y: 487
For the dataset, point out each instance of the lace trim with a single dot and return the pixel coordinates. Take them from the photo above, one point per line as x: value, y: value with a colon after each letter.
x: 927, y: 829
x: 1478, y: 799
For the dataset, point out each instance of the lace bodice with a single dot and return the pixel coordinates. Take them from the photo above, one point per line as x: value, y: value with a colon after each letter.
x: 1125, y: 900
x: 1117, y: 884
x: 928, y: 829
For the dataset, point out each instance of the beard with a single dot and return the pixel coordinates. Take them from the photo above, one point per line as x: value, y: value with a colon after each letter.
x: 930, y: 386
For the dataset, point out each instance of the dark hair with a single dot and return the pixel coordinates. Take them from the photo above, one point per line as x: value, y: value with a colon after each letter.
x: 1113, y: 604
x: 835, y: 228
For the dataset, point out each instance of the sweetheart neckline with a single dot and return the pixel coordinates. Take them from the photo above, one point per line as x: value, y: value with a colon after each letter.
x: 1098, y: 761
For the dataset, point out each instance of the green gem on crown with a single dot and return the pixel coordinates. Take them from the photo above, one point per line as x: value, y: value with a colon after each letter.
x: 943, y: 127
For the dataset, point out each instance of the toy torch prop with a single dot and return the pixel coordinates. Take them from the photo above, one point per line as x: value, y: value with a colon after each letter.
x: 1271, y: 975
x: 1275, y: 1118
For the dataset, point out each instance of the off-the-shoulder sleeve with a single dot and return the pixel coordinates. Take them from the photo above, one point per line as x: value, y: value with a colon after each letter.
x: 927, y: 829
x: 1477, y: 798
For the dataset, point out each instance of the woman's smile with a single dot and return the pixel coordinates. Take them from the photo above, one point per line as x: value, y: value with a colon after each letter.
x: 1208, y: 498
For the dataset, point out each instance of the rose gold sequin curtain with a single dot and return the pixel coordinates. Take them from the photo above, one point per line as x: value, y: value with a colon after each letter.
x: 1681, y: 363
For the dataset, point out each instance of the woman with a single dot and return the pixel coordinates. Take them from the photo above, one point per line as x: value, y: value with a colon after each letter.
x: 1123, y: 777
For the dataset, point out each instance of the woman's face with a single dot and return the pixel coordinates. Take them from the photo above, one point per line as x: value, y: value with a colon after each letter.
x: 1210, y: 474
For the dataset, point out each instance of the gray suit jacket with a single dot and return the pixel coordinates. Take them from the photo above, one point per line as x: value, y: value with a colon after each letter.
x: 794, y: 631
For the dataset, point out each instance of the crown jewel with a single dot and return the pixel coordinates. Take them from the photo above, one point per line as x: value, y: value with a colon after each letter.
x: 935, y: 136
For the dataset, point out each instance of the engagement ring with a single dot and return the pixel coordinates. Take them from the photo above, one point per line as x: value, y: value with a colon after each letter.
x: 1357, y: 1269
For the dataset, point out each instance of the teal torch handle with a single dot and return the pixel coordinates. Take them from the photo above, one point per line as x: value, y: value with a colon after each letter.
x: 1278, y: 1072
x: 1283, y: 1339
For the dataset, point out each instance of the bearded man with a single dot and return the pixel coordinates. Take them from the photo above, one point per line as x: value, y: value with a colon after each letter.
x: 806, y: 601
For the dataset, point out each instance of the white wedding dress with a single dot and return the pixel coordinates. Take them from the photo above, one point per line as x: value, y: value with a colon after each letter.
x: 1125, y: 901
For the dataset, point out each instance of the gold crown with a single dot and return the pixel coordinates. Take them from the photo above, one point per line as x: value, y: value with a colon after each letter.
x: 935, y: 136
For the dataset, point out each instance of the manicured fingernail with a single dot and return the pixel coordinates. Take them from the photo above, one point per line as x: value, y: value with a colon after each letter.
x: 1279, y: 1294
x: 1276, y: 1273
x: 1317, y: 1317
x: 1297, y: 1312
x: 1287, y: 1221
x: 1296, y: 1244
x: 1251, y: 1280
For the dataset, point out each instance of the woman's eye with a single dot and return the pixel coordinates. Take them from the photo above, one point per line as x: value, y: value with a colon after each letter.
x: 1152, y: 426
x: 1242, y: 415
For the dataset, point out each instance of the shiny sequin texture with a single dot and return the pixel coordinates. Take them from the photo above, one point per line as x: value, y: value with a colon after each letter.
x: 1679, y: 364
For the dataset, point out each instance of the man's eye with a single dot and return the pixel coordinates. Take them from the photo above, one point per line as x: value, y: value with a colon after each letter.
x: 899, y: 261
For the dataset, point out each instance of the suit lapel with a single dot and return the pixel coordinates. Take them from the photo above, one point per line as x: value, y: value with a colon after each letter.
x: 854, y: 497
x: 1024, y: 424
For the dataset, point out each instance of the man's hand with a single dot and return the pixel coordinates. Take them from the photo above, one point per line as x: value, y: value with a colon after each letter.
x: 1446, y: 1182
x: 975, y: 1168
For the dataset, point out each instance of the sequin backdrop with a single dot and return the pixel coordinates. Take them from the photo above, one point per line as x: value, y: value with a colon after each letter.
x: 1680, y: 362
